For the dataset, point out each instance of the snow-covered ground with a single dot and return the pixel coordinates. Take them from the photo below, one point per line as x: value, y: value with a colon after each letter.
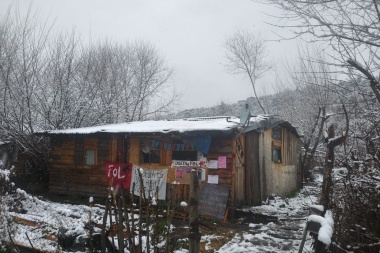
x: 39, y: 221
x: 285, y: 234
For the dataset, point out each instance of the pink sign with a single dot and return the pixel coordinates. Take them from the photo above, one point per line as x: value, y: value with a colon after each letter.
x: 222, y: 162
x: 179, y: 173
x: 121, y: 174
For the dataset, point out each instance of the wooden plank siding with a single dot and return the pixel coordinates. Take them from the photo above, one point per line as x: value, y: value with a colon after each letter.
x: 252, y: 169
x: 290, y: 146
x: 262, y: 172
x: 69, y: 175
x: 238, y: 170
x: 218, y: 147
x: 249, y: 173
x: 224, y: 147
x: 281, y: 176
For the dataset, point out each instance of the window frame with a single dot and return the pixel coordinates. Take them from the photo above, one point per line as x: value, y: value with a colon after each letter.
x: 277, y: 144
x: 277, y: 133
x: 155, y: 149
x: 194, y: 153
x: 86, y: 157
x: 274, y: 148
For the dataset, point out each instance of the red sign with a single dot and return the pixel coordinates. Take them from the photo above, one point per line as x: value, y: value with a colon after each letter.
x: 121, y: 174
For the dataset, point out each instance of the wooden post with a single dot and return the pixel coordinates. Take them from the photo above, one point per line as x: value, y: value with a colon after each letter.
x: 304, y: 237
x: 120, y: 223
x: 132, y: 247
x: 126, y: 218
x: 90, y: 225
x: 194, y: 235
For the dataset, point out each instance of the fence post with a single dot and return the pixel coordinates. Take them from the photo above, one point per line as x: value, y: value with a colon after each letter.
x: 194, y: 235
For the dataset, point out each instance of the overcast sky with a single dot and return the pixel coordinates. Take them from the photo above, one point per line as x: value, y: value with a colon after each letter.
x: 189, y: 33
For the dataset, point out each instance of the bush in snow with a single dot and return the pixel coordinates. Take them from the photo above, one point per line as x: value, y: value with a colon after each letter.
x: 356, y: 183
x: 5, y: 220
x: 356, y: 204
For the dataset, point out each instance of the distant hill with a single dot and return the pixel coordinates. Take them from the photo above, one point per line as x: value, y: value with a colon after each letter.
x: 299, y: 107
x: 271, y: 103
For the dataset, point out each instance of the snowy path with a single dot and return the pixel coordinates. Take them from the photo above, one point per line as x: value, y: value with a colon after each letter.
x: 283, y: 235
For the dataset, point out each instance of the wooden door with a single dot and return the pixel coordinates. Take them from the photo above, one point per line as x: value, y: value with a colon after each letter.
x: 252, y: 169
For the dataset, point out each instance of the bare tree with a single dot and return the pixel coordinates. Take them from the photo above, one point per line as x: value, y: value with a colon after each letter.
x: 349, y: 30
x: 22, y: 57
x: 53, y: 81
x: 55, y: 99
x: 349, y: 27
x: 132, y: 80
x: 309, y: 102
x: 151, y: 74
x: 332, y: 141
x: 246, y: 54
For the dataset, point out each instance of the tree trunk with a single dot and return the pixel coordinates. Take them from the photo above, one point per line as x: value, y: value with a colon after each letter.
x: 327, y: 174
x: 332, y: 142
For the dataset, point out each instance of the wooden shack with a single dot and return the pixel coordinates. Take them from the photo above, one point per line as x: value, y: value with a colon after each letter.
x: 253, y: 161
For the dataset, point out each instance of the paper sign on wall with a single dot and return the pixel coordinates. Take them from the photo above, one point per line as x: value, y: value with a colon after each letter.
x: 213, y: 179
x: 180, y: 163
x: 212, y: 164
x: 179, y: 173
x: 222, y: 162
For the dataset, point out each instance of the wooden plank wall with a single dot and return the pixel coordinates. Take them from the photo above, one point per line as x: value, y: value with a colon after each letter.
x: 223, y: 146
x: 68, y: 175
x: 175, y: 192
x: 238, y: 171
x: 293, y: 146
x: 290, y: 147
x: 134, y: 153
x: 220, y: 146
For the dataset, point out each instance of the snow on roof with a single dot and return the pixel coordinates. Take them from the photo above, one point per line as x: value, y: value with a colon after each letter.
x: 161, y: 126
x: 218, y: 123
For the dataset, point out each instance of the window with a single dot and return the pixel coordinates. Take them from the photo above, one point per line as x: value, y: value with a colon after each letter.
x: 277, y: 144
x: 150, y: 151
x: 184, y: 155
x: 183, y: 152
x: 276, y: 154
x: 277, y: 133
x: 89, y: 158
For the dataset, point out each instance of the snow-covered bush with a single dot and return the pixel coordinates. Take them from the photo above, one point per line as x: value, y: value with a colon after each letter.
x: 5, y: 220
x: 356, y: 183
x: 356, y: 204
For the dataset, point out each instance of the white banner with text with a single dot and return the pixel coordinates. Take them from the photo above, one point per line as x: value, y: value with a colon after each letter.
x: 151, y: 180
